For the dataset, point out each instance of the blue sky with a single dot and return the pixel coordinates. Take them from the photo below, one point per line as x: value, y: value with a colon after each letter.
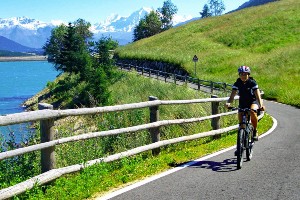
x: 96, y: 10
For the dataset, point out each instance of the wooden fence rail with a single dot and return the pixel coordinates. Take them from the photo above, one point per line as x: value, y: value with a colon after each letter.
x: 30, y: 116
x: 47, y: 146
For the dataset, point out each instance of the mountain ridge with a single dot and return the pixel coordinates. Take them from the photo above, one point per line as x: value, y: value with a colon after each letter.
x: 10, y: 45
x: 34, y: 33
x: 252, y: 3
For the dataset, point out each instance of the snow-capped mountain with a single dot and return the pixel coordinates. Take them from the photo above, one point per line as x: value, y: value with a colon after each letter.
x: 116, y: 23
x: 121, y: 28
x: 118, y: 27
x: 34, y: 33
x: 28, y: 32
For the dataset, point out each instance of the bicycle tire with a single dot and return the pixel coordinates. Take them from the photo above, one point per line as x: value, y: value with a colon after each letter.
x: 249, y: 145
x: 240, y: 148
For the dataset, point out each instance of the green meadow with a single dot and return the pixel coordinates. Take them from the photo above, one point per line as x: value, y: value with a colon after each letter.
x: 266, y: 38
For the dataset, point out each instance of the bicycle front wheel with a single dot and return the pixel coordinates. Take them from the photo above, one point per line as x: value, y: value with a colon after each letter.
x: 250, y: 143
x: 240, y: 148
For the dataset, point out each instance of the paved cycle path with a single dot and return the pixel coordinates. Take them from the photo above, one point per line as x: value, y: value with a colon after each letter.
x: 273, y: 172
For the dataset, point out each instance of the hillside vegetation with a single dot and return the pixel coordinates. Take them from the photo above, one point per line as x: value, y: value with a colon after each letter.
x: 4, y: 53
x: 266, y: 38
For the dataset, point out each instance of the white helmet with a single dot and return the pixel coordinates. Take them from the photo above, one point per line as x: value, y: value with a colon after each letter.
x: 244, y: 69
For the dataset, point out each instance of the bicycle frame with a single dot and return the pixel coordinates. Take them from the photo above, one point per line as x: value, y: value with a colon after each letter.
x: 244, y: 137
x: 246, y: 125
x: 245, y: 117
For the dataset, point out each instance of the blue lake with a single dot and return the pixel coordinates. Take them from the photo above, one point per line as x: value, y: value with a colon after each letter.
x: 20, y: 81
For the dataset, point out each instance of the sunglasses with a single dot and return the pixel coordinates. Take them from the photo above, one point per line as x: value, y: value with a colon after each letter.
x: 244, y: 74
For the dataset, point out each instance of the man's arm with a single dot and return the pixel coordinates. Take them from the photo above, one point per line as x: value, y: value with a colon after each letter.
x: 259, y: 99
x: 231, y: 98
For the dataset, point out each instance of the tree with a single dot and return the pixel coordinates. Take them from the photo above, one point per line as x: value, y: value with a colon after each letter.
x: 216, y: 7
x: 82, y: 28
x: 103, y: 50
x: 68, y: 47
x: 139, y: 30
x: 148, y: 26
x: 71, y: 50
x: 155, y: 22
x: 54, y: 45
x: 205, y: 12
x: 98, y: 88
x: 73, y: 53
x: 166, y: 14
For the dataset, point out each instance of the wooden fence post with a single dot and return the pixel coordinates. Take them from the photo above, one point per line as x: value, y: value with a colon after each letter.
x: 174, y: 78
x: 154, y: 117
x: 211, y: 87
x: 215, y: 122
x: 166, y: 77
x: 47, y: 134
x: 225, y: 87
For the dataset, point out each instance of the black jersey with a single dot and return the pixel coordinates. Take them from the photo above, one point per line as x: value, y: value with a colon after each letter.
x: 246, y: 92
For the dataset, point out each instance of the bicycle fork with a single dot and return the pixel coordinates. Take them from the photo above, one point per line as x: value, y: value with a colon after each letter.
x: 248, y: 139
x: 244, y: 136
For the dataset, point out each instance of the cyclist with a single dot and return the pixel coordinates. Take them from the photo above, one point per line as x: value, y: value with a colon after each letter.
x: 250, y: 97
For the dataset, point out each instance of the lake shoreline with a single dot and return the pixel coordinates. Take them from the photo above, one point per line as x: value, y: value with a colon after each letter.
x: 23, y: 58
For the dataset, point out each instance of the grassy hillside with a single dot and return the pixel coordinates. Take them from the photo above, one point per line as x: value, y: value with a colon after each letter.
x: 266, y: 38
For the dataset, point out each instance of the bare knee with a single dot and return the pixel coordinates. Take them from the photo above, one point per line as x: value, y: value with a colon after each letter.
x: 253, y: 113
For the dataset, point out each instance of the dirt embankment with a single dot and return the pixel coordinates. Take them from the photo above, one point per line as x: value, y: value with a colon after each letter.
x: 22, y: 58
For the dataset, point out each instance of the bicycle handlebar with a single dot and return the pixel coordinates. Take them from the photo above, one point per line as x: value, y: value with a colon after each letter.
x: 243, y: 109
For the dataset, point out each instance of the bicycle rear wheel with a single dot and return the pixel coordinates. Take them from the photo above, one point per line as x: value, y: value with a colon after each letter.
x: 240, y: 148
x: 250, y: 143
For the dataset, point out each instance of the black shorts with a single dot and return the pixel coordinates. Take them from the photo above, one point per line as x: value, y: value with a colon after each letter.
x: 247, y: 104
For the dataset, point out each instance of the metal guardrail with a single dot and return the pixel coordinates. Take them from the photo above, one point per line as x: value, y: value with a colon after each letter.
x: 204, y: 85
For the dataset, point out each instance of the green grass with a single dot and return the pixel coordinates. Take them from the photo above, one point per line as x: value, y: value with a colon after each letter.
x: 266, y: 38
x: 131, y: 88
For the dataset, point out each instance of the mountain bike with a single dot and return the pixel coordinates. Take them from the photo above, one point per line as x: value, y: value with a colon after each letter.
x: 245, y: 140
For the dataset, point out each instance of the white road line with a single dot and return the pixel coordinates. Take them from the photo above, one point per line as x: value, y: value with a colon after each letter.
x: 152, y: 178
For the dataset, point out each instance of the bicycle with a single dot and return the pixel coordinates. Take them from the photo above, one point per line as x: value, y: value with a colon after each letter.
x: 245, y: 137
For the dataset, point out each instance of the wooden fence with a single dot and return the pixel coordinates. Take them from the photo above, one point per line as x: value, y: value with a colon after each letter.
x: 46, y: 115
x: 204, y: 85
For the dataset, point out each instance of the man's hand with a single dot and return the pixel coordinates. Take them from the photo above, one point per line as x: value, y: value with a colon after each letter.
x: 262, y: 108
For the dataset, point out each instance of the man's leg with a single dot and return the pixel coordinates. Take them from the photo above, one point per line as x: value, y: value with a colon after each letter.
x: 254, y: 120
x: 240, y: 117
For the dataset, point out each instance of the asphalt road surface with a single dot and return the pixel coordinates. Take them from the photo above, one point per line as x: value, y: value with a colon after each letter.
x: 273, y: 173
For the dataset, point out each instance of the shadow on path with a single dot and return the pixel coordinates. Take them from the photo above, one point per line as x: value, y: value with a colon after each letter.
x: 227, y: 165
